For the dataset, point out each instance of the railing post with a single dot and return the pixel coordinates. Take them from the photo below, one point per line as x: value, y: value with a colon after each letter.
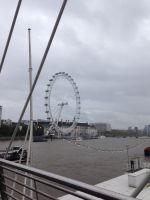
x: 2, y: 185
x: 36, y: 190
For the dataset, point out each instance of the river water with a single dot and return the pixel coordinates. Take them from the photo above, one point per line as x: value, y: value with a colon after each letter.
x: 90, y: 161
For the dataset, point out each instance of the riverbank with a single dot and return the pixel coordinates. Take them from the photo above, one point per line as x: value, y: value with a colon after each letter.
x: 8, y: 138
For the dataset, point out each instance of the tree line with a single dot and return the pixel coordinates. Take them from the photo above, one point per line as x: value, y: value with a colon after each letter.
x: 7, y: 130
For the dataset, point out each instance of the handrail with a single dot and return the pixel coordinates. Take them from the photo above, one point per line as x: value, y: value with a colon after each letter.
x: 141, y: 185
x: 88, y: 191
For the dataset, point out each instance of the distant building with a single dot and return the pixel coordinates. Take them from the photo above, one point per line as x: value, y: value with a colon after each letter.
x: 45, y: 124
x: 26, y: 122
x: 102, y: 127
x: 130, y: 128
x: 81, y: 130
x: 86, y: 131
x: 92, y: 131
x: 136, y: 130
x: 146, y: 130
x: 7, y: 122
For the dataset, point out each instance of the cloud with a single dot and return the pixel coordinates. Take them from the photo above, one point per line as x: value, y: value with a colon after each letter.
x: 104, y: 45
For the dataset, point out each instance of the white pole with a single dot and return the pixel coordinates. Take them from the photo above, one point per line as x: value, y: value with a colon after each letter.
x: 29, y: 150
x: 29, y: 157
x: 31, y: 104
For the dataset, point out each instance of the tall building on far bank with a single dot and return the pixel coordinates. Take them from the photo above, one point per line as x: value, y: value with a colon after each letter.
x: 146, y: 130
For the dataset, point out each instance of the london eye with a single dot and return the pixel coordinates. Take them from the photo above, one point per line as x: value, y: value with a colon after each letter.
x: 56, y: 107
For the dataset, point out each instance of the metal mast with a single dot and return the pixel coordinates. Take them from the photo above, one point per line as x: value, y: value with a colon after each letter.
x: 31, y: 103
x: 29, y: 149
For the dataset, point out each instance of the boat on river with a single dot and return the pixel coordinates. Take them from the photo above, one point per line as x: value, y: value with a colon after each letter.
x: 14, y: 154
x: 147, y: 151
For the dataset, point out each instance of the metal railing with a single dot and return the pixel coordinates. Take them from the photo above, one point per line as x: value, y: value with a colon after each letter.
x: 46, y: 185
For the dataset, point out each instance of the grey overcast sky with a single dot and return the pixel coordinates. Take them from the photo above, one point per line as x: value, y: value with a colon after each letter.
x: 103, y: 44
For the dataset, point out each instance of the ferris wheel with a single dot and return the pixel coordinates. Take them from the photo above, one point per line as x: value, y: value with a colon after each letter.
x: 57, y: 124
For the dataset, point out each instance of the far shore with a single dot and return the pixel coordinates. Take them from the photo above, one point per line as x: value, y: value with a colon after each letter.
x: 8, y: 138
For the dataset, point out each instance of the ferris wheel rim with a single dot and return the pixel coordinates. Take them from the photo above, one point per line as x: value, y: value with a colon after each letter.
x: 48, y: 111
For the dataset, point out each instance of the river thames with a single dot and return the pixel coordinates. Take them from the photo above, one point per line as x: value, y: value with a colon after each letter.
x: 90, y: 161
